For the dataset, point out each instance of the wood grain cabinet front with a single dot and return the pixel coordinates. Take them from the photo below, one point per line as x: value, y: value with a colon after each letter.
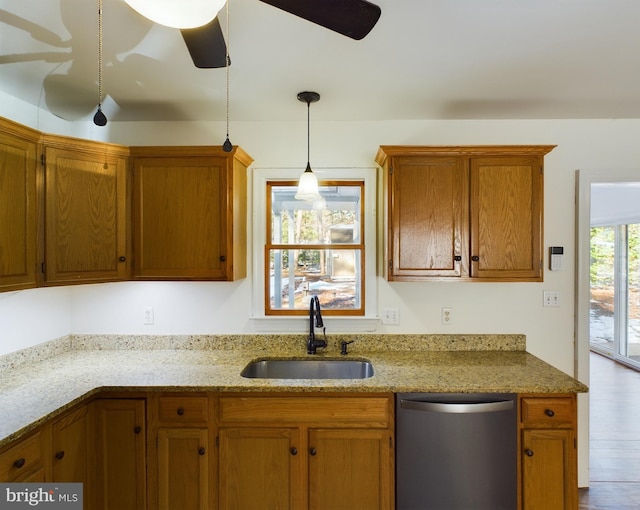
x: 85, y: 211
x: 466, y: 213
x: 306, y: 452
x: 189, y: 213
x: 181, y: 461
x: 24, y: 461
x: 548, y: 457
x: 18, y: 206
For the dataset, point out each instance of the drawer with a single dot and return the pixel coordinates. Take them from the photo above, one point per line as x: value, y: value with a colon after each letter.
x: 22, y: 458
x: 183, y: 410
x: 548, y: 411
x: 370, y: 411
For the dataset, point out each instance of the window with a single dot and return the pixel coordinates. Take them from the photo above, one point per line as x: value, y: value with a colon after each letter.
x: 334, y: 251
x: 315, y: 249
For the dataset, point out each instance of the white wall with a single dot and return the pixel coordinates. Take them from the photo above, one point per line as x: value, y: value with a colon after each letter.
x: 204, y: 307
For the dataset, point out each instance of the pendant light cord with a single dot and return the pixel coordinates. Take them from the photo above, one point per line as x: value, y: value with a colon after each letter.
x: 100, y: 65
x: 227, y: 146
x: 308, y: 134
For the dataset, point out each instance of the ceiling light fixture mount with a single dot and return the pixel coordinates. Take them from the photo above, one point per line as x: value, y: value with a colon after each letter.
x: 308, y: 183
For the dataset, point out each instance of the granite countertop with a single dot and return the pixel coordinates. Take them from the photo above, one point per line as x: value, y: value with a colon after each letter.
x: 38, y: 390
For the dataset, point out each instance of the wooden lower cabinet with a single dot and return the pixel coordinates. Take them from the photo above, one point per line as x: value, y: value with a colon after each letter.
x: 350, y: 468
x: 181, y: 466
x: 70, y: 443
x: 260, y: 468
x: 306, y: 452
x: 548, y: 457
x: 119, y: 454
x: 24, y: 461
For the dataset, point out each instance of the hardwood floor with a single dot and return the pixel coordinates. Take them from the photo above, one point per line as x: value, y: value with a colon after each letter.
x: 614, y: 441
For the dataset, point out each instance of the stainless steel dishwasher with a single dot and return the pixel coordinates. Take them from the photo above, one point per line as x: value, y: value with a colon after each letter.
x: 456, y: 451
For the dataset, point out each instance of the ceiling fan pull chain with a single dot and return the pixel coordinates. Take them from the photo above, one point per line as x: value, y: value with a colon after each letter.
x: 99, y: 119
x: 227, y: 146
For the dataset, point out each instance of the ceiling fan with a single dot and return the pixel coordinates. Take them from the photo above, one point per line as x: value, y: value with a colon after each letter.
x: 352, y: 18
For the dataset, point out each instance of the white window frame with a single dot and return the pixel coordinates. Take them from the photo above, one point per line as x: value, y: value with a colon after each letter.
x: 335, y: 324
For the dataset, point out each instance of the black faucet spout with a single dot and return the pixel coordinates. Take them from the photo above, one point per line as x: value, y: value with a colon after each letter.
x: 315, y: 315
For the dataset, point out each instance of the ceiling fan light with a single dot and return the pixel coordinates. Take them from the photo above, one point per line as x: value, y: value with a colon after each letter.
x: 308, y: 186
x: 178, y: 13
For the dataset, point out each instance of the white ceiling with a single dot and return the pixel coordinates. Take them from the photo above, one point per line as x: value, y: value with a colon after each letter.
x: 425, y: 59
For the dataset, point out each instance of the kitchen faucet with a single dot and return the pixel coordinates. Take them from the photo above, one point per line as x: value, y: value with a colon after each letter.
x: 314, y: 313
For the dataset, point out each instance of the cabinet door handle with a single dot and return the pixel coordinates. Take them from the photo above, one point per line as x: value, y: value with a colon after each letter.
x: 457, y: 258
x: 529, y: 452
x: 222, y: 258
x: 60, y: 455
x: 122, y: 259
x: 137, y: 429
x: 180, y: 411
x: 312, y: 451
x: 549, y: 413
x: 19, y: 463
x: 294, y: 451
x: 475, y: 258
x: 201, y: 451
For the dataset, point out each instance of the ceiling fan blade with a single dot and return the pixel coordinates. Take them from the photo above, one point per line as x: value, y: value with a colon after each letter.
x: 353, y: 18
x: 206, y: 45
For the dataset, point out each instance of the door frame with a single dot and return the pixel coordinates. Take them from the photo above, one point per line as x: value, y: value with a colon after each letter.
x: 584, y: 179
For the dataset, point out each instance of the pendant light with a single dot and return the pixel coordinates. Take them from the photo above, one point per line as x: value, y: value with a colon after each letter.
x: 100, y: 119
x: 227, y: 146
x: 182, y: 14
x: 308, y: 183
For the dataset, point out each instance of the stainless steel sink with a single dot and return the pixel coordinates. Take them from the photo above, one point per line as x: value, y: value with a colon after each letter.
x: 308, y: 369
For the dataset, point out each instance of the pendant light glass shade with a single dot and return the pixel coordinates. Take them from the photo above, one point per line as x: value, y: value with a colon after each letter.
x: 308, y: 186
x: 178, y: 13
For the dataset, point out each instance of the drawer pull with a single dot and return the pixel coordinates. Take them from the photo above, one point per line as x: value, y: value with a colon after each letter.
x: 294, y: 451
x: 202, y: 451
x: 529, y: 452
x: 549, y: 413
x: 19, y: 463
x: 137, y: 429
x: 180, y: 411
x: 312, y: 451
x: 60, y: 455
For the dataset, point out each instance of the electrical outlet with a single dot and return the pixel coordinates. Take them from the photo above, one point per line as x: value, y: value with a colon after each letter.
x: 391, y: 316
x: 447, y: 315
x: 551, y: 298
x: 148, y: 315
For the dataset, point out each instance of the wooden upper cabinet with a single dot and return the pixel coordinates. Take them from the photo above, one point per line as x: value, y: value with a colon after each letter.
x: 466, y: 213
x: 85, y: 211
x: 428, y: 217
x: 506, y: 217
x: 189, y: 218
x: 18, y: 222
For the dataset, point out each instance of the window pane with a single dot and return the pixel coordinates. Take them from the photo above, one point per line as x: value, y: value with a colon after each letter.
x: 333, y: 275
x: 334, y: 221
x: 633, y: 291
x: 601, y: 328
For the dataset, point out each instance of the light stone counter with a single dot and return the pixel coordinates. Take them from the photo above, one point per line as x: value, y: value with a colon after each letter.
x: 39, y: 383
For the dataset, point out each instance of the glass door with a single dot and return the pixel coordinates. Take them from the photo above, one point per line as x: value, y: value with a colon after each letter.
x: 614, y: 314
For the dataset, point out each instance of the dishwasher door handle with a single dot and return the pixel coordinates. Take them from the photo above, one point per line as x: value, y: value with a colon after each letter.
x: 457, y: 407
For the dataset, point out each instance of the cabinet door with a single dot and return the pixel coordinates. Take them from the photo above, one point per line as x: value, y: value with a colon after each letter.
x: 429, y: 218
x: 548, y: 470
x: 260, y: 468
x: 85, y: 216
x: 180, y: 218
x: 23, y: 461
x: 17, y: 212
x: 506, y: 218
x: 350, y: 468
x: 120, y: 454
x: 70, y: 447
x: 183, y: 469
